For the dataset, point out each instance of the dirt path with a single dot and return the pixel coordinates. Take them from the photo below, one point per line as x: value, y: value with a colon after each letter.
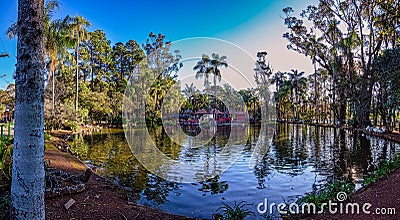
x: 99, y: 201
x: 383, y: 195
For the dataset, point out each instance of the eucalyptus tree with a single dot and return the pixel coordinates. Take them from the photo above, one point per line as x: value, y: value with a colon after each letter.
x: 262, y: 73
x: 334, y: 21
x: 164, y: 65
x: 28, y: 177
x: 387, y: 68
x: 159, y: 57
x: 126, y: 58
x: 311, y: 51
x: 119, y: 62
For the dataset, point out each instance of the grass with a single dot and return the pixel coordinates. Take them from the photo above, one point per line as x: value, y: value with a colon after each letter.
x: 5, y: 158
x: 382, y: 171
x: 235, y: 212
x: 328, y: 193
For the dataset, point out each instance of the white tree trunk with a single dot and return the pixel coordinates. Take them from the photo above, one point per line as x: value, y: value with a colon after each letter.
x: 27, y: 188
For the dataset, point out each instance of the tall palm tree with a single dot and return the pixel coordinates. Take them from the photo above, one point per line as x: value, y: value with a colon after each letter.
x: 54, y: 39
x: 28, y: 177
x: 78, y: 29
x: 207, y: 66
x: 298, y: 83
x: 56, y: 44
x: 278, y: 78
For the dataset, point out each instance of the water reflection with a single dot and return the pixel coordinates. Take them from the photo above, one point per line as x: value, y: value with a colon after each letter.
x: 279, y: 162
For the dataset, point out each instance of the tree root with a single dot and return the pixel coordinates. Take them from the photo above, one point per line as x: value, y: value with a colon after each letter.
x: 61, y: 183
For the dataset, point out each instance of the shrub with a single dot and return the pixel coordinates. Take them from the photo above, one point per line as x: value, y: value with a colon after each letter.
x: 6, y: 158
x: 236, y: 212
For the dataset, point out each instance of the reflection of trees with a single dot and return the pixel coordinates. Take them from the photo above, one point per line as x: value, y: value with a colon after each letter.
x: 341, y: 157
x: 332, y: 154
x: 261, y: 171
x: 115, y: 160
x: 80, y: 147
x: 359, y: 155
x: 288, y: 151
x: 214, y: 186
x: 157, y: 189
x: 164, y: 143
x: 258, y: 146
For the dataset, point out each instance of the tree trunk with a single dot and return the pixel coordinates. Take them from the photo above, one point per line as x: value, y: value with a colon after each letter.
x: 77, y: 82
x: 316, y: 94
x: 364, y: 104
x: 27, y: 187
x: 52, y: 93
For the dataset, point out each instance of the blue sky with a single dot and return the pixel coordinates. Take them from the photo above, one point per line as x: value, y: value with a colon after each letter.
x: 253, y: 25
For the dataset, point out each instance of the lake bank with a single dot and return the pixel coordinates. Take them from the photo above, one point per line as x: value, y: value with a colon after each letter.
x: 323, y: 144
x: 100, y: 200
x: 382, y: 196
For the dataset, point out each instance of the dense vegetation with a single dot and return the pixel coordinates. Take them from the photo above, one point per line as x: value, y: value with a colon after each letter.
x: 353, y: 45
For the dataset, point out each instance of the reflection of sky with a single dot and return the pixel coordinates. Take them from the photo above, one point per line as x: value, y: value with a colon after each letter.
x: 296, y: 162
x: 253, y: 25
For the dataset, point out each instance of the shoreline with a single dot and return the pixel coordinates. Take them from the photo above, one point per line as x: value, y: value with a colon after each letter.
x: 101, y: 198
x: 391, y: 136
x: 115, y: 192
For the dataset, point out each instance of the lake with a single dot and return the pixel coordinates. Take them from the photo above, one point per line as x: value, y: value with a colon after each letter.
x: 279, y: 162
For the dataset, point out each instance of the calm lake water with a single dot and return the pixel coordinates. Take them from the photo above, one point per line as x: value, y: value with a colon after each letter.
x: 291, y: 161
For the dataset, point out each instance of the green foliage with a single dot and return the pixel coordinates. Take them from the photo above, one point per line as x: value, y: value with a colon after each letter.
x: 387, y: 68
x: 70, y: 125
x: 235, y: 212
x: 5, y: 158
x: 47, y: 136
x: 382, y: 171
x: 328, y: 32
x: 329, y: 192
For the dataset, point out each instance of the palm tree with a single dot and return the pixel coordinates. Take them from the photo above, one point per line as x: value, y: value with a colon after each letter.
x: 56, y: 43
x: 78, y: 25
x: 190, y: 92
x: 298, y: 83
x: 278, y: 78
x: 28, y: 177
x: 207, y: 66
x: 55, y: 40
